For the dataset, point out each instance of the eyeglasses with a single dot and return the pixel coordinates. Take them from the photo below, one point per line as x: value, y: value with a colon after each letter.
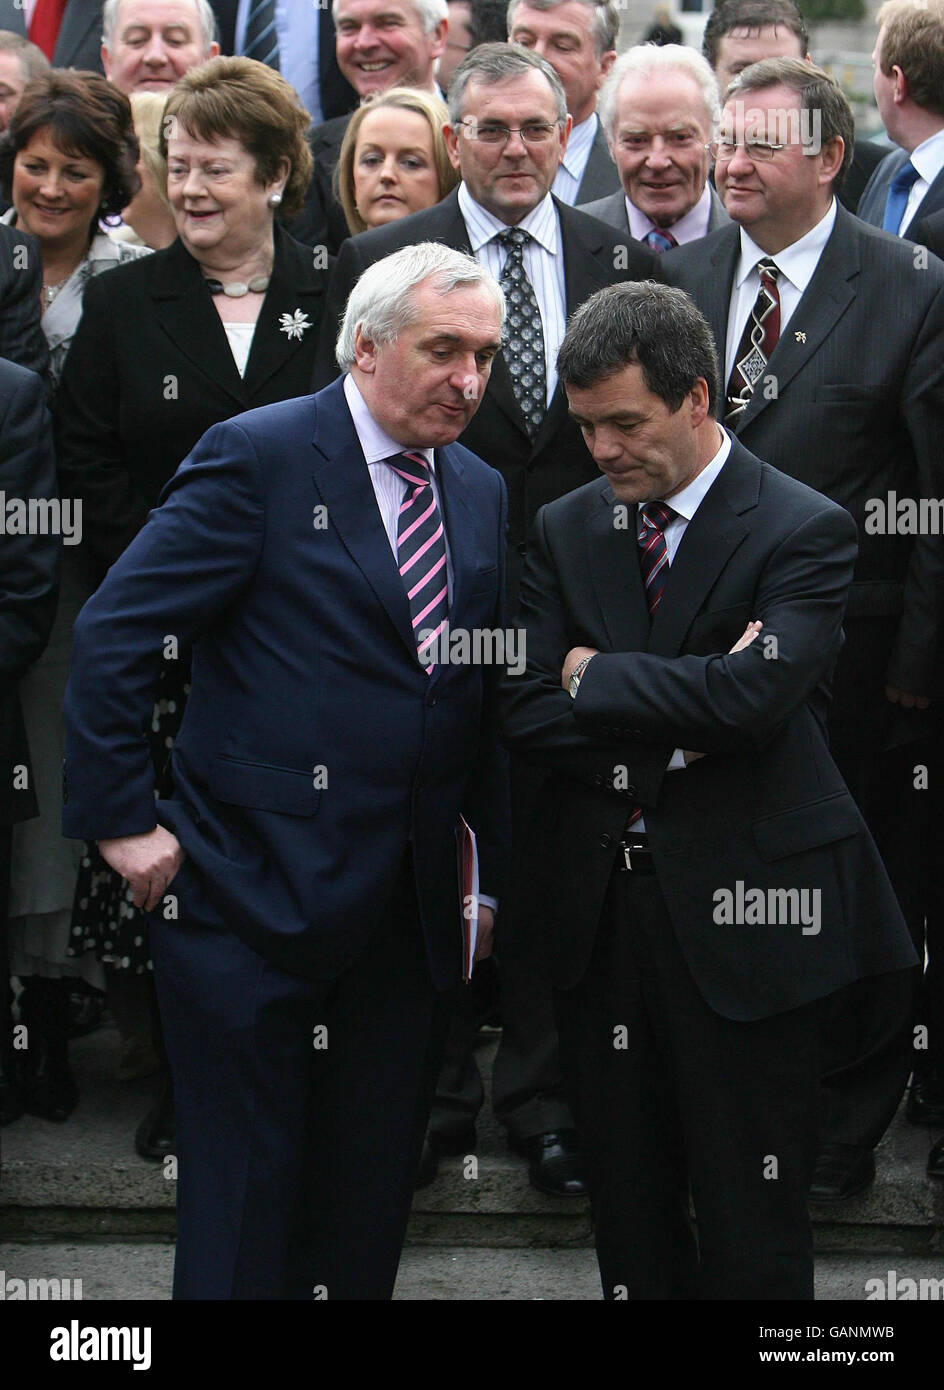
x: 534, y: 133
x: 757, y: 151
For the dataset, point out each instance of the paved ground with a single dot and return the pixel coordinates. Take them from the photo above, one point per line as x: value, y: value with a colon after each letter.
x: 134, y: 1271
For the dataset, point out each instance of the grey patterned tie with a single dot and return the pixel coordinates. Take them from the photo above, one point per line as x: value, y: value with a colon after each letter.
x: 262, y: 39
x: 523, y: 333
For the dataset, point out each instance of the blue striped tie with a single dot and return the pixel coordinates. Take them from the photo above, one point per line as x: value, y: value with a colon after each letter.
x: 262, y: 39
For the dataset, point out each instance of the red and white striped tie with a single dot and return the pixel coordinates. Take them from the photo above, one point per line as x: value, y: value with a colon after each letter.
x: 421, y: 554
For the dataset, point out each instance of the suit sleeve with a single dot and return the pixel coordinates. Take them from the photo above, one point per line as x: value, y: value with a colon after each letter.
x: 486, y: 805
x: 197, y: 552
x: 538, y: 715
x: 921, y: 629
x: 21, y: 332
x: 28, y: 563
x: 92, y: 459
x: 737, y: 703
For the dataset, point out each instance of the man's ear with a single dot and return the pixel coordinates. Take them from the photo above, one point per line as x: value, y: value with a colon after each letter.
x: 365, y: 353
x: 451, y: 136
x: 606, y: 62
x: 438, y: 39
x: 699, y: 399
x: 831, y: 156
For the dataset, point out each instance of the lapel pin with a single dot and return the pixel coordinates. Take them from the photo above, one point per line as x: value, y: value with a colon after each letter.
x: 294, y: 325
x: 800, y: 337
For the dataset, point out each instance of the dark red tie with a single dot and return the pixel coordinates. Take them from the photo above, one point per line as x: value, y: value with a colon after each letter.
x: 760, y: 337
x: 653, y: 518
x: 44, y: 26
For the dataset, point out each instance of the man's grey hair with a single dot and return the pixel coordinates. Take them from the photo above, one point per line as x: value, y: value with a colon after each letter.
x: 33, y: 61
x: 641, y: 323
x: 604, y: 26
x: 383, y: 303
x: 646, y: 60
x: 206, y: 21
x: 491, y: 63
x: 428, y: 12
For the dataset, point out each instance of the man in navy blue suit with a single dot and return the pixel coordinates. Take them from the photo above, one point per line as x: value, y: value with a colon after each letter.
x: 307, y: 951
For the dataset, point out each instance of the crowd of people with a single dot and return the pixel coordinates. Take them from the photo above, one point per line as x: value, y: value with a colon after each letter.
x: 214, y: 209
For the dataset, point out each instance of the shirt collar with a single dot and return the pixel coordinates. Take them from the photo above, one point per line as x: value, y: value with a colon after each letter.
x: 482, y: 226
x: 928, y: 157
x: 578, y: 146
x: 796, y: 262
x: 688, y: 228
x: 687, y: 502
x: 374, y: 441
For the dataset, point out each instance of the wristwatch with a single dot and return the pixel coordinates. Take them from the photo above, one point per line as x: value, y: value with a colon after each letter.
x: 575, y: 675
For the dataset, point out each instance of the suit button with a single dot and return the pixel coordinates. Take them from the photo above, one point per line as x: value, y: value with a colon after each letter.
x: 630, y: 791
x: 635, y: 733
x: 522, y: 548
x: 606, y: 841
x: 430, y: 701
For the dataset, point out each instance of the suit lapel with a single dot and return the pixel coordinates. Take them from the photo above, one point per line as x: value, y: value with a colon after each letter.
x: 714, y: 294
x: 932, y: 201
x: 343, y: 481
x: 293, y: 299
x: 78, y: 21
x: 184, y: 309
x: 613, y: 556
x: 823, y: 303
x: 711, y: 538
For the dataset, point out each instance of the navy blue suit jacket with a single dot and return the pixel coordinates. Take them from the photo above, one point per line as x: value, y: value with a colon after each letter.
x: 313, y: 748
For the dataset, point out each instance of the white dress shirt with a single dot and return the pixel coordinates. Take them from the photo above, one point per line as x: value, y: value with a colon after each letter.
x: 543, y: 259
x: 296, y: 24
x: 688, y: 228
x: 928, y: 159
x: 796, y: 264
x: 567, y: 179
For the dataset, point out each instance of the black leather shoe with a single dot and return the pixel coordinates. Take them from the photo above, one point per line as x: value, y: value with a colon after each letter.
x: 49, y: 1088
x: 11, y: 1089
x: 936, y: 1160
x: 842, y: 1170
x: 925, y: 1103
x: 554, y: 1163
x: 156, y: 1135
x: 437, y: 1146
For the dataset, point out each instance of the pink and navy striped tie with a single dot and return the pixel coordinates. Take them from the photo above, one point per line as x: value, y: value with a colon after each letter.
x: 653, y: 518
x: 421, y: 554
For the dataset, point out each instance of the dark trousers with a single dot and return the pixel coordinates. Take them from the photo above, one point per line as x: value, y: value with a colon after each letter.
x: 301, y: 1109
x: 868, y: 1036
x: 6, y: 994
x: 669, y: 1096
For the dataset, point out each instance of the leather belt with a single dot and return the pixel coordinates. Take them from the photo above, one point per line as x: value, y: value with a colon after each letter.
x: 635, y: 857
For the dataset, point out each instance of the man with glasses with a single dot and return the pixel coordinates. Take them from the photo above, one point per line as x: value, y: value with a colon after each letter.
x: 829, y: 333
x: 508, y: 130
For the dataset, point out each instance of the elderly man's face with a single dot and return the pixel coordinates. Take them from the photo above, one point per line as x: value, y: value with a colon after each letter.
x: 424, y: 388
x: 382, y: 43
x: 564, y: 38
x: 12, y: 83
x: 509, y: 179
x: 155, y: 42
x: 660, y: 132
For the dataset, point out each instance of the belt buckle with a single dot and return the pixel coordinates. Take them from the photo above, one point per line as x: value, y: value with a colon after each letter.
x: 627, y: 856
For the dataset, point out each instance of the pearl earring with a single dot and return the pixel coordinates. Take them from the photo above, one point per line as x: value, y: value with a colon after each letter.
x: 274, y: 200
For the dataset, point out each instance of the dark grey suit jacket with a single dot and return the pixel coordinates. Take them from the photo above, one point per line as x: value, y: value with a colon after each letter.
x: 612, y: 211
x: 80, y: 35
x: 21, y: 334
x: 599, y: 175
x: 855, y: 409
x: 872, y: 203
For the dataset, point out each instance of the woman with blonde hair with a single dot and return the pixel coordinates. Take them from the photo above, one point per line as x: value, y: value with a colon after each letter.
x: 148, y: 220
x: 393, y: 160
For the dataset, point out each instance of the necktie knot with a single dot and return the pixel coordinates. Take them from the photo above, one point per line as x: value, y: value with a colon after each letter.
x: 659, y: 240
x: 905, y: 177
x: 653, y: 516
x: 897, y: 200
x: 768, y: 270
x: 514, y: 239
x: 411, y: 467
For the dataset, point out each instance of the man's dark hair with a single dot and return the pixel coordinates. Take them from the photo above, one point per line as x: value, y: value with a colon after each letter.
x: 752, y: 14
x: 487, y: 21
x: 646, y: 324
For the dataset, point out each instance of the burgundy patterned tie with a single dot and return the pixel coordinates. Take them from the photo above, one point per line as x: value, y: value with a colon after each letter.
x: 652, y: 520
x: 760, y: 337
x: 659, y: 240
x: 421, y: 553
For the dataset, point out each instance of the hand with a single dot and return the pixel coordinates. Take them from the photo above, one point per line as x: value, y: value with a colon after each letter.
x: 483, y: 942
x: 148, y: 862
x: 572, y: 659
x: 903, y: 698
x: 746, y: 637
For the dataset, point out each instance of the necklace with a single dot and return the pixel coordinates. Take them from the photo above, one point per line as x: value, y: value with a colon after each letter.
x: 237, y: 289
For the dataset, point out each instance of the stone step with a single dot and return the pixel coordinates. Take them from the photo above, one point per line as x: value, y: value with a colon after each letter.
x: 83, y: 1178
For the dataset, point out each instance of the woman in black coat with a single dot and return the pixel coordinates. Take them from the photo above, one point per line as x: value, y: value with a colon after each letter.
x: 223, y: 320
